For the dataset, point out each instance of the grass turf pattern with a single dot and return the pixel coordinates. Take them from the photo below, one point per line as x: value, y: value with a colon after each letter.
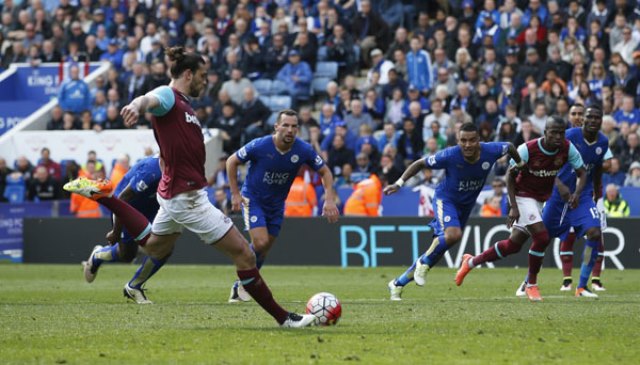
x: 49, y: 315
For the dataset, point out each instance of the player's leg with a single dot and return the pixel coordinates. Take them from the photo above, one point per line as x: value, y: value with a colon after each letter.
x: 566, y: 257
x: 540, y: 238
x: 589, y: 257
x: 216, y: 229
x: 124, y: 251
x: 596, y: 281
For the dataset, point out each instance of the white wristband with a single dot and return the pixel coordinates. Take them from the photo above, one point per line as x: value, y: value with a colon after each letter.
x: 400, y: 182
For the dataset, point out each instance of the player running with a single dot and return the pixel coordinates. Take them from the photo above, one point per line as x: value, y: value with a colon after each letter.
x: 593, y: 147
x: 183, y: 201
x: 138, y: 187
x: 274, y: 161
x: 466, y: 168
x: 576, y: 117
x: 529, y: 189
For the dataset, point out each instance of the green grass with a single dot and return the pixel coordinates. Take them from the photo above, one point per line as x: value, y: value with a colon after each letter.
x: 49, y: 315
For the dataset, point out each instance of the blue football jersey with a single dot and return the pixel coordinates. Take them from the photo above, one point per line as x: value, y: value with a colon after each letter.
x: 143, y: 178
x: 271, y: 172
x: 593, y: 154
x: 463, y: 181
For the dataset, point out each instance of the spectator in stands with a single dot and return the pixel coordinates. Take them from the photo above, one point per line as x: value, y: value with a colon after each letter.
x: 43, y: 186
x: 83, y: 207
x: 74, y: 94
x: 632, y: 151
x: 410, y: 145
x: 275, y: 56
x: 254, y: 116
x: 362, y: 169
x: 357, y: 117
x: 93, y: 166
x: 252, y: 59
x: 366, y: 198
x: 222, y: 202
x: 120, y: 168
x: 614, y: 176
x: 229, y: 123
x: 370, y: 30
x: 4, y: 172
x: 114, y: 120
x: 340, y: 49
x: 628, y: 112
x: 24, y: 167
x: 394, y: 82
x: 49, y: 54
x: 70, y: 122
x: 491, y: 207
x: 345, y: 181
x: 388, y: 137
x: 91, y: 49
x: 236, y: 85
x: 338, y: 155
x: 297, y: 75
x: 374, y: 106
x: 380, y: 65
x: 113, y: 54
x: 135, y: 85
x: 614, y: 205
x: 56, y: 122
x: 526, y: 133
x: 52, y: 167
x: 633, y: 177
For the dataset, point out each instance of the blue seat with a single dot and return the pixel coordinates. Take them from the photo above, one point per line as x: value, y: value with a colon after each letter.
x: 272, y: 119
x: 323, y: 53
x: 279, y: 102
x: 15, y: 189
x: 327, y: 69
x: 319, y: 85
x: 279, y: 88
x: 64, y: 164
x: 263, y: 86
x: 265, y: 99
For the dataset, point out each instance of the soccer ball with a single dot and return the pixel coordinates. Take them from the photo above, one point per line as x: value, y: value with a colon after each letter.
x: 326, y: 307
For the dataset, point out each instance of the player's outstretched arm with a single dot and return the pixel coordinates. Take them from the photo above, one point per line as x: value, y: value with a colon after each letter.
x: 406, y: 175
x: 232, y: 174
x: 515, y: 156
x: 329, y: 208
x: 514, y: 213
x: 131, y: 113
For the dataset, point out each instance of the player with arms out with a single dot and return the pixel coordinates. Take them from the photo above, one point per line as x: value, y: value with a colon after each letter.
x: 274, y: 161
x: 576, y: 118
x: 138, y: 187
x: 593, y: 147
x: 529, y: 188
x: 181, y: 195
x: 466, y: 168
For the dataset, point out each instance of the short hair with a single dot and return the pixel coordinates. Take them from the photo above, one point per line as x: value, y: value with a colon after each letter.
x: 555, y: 120
x: 468, y: 127
x: 286, y: 112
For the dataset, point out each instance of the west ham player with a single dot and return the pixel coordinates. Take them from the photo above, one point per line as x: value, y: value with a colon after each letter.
x: 138, y: 187
x: 593, y: 147
x: 466, y: 168
x: 183, y: 201
x: 576, y: 116
x: 274, y: 161
x: 529, y: 189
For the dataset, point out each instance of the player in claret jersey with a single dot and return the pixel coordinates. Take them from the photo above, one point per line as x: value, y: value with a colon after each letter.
x: 273, y: 164
x: 528, y: 189
x: 466, y: 168
x: 183, y: 201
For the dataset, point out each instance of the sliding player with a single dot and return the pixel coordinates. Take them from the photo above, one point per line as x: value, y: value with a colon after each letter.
x: 529, y: 189
x: 466, y: 168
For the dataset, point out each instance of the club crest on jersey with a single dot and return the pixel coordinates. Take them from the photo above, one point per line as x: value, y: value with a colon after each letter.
x: 253, y: 219
x: 318, y: 160
x: 486, y: 165
x: 190, y: 118
x: 295, y: 158
x: 558, y: 161
x: 598, y: 150
x: 141, y: 186
x: 242, y: 153
x: 431, y: 160
x: 447, y: 219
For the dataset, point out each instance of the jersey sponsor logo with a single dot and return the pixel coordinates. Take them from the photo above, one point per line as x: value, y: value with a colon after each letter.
x: 431, y: 160
x: 318, y: 160
x: 275, y: 178
x: 486, y: 165
x: 532, y: 217
x: 543, y: 173
x: 295, y: 158
x: 141, y: 186
x: 598, y: 150
x: 242, y: 153
x: 190, y: 118
x: 470, y: 185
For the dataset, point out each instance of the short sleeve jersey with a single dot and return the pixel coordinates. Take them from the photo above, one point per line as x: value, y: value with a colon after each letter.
x: 463, y: 181
x: 271, y: 172
x: 181, y: 142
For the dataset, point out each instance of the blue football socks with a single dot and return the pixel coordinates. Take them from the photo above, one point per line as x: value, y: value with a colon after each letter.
x: 589, y: 257
x: 146, y: 270
x: 106, y: 254
x: 435, y: 252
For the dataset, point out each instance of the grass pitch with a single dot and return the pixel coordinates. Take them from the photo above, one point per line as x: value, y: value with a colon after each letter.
x: 49, y: 315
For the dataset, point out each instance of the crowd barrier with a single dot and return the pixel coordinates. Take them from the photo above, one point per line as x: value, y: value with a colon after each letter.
x: 352, y: 242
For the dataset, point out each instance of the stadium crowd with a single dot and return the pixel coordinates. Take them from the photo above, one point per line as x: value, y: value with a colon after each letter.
x: 378, y: 84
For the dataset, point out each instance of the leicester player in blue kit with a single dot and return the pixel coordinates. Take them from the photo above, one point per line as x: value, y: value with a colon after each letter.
x: 274, y: 161
x: 466, y: 166
x: 138, y: 187
x: 593, y: 147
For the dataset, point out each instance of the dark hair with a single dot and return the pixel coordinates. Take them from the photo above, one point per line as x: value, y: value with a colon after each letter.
x: 468, y: 127
x: 555, y: 119
x: 181, y: 61
x: 287, y: 112
x: 577, y: 105
x: 595, y: 108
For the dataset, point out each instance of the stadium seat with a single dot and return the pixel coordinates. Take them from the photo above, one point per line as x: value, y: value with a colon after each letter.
x: 327, y: 69
x: 15, y: 189
x: 279, y: 102
x: 272, y: 119
x: 265, y: 99
x: 263, y: 86
x: 278, y: 88
x: 319, y: 85
x: 323, y: 54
